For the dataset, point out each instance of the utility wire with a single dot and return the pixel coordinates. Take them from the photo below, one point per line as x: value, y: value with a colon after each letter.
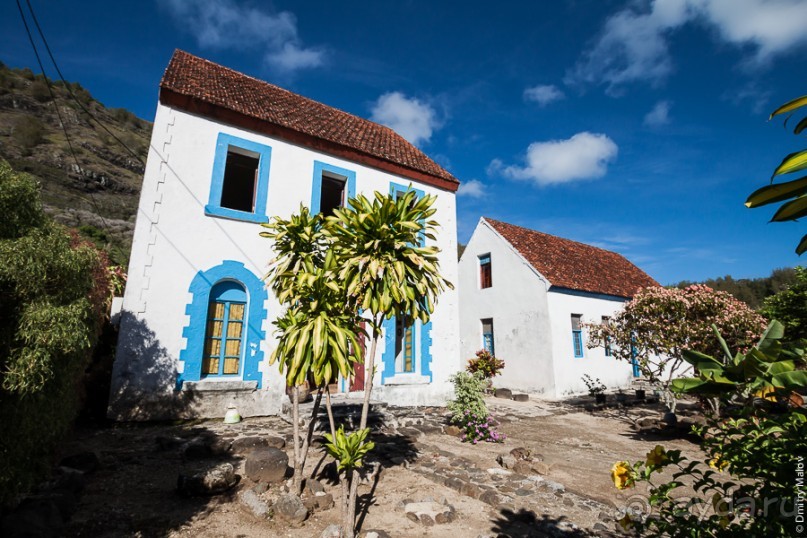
x: 47, y: 83
x: 67, y: 85
x: 56, y: 105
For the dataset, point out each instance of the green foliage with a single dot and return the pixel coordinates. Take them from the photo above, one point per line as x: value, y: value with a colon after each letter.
x: 751, y: 291
x: 54, y: 290
x: 765, y: 368
x: 318, y: 333
x: 469, y: 395
x: 348, y: 449
x: 745, y: 479
x: 382, y: 263
x: 792, y: 193
x: 39, y: 90
x: 595, y: 386
x: 789, y: 306
x: 486, y: 364
x: 28, y: 132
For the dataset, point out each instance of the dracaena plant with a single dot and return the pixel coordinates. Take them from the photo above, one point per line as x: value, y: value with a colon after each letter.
x: 792, y: 193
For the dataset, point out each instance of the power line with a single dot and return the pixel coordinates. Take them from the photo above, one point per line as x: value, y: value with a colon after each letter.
x: 56, y: 105
x: 67, y: 85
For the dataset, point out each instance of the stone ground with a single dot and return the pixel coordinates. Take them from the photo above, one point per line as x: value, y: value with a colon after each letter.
x: 565, y: 490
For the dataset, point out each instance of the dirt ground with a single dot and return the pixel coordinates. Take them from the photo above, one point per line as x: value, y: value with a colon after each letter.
x: 133, y: 493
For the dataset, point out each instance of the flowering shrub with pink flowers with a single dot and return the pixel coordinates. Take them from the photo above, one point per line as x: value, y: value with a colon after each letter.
x: 480, y: 428
x: 658, y: 324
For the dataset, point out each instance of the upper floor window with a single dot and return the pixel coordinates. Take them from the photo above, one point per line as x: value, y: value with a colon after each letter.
x: 577, y: 335
x: 485, y: 272
x: 332, y: 188
x: 240, y: 182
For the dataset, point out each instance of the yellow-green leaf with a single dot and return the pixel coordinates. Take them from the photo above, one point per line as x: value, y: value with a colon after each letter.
x: 791, y: 210
x: 792, y: 163
x: 793, y: 104
x: 776, y: 193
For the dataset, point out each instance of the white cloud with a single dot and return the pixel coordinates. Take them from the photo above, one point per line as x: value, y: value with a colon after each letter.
x: 583, y: 156
x: 633, y: 45
x: 472, y: 189
x: 409, y: 117
x: 659, y: 115
x: 225, y: 24
x: 543, y: 94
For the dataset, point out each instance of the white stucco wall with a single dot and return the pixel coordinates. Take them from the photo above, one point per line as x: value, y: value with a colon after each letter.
x: 570, y: 369
x: 174, y: 240
x: 517, y: 303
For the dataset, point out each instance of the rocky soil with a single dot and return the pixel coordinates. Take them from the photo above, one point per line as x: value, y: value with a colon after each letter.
x: 549, y: 478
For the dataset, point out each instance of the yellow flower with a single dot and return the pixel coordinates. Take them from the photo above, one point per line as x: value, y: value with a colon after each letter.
x: 718, y: 463
x: 621, y: 474
x: 657, y: 457
x: 768, y: 393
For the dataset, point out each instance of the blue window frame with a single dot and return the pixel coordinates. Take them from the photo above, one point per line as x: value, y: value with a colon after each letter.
x: 224, y: 337
x: 326, y: 193
x: 240, y: 184
x: 230, y: 282
x: 488, y: 343
x: 577, y: 335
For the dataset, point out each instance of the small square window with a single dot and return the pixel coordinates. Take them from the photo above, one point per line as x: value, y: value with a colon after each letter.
x: 332, y: 188
x: 485, y: 272
x: 240, y: 183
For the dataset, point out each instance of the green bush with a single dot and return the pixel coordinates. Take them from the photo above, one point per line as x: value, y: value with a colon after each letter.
x: 469, y: 396
x: 39, y: 90
x: 55, y: 290
x: 28, y: 132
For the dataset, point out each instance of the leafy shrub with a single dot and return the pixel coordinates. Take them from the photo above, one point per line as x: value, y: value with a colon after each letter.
x: 486, y: 364
x: 745, y: 481
x: 469, y: 395
x: 39, y: 90
x: 595, y: 386
x: 789, y: 306
x: 55, y: 293
x: 28, y: 132
x: 478, y: 428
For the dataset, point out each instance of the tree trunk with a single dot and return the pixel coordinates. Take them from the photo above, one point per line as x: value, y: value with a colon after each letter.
x: 330, y: 410
x: 295, y: 414
x: 309, y: 435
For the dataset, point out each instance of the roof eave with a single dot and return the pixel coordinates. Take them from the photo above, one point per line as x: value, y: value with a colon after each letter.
x: 195, y: 105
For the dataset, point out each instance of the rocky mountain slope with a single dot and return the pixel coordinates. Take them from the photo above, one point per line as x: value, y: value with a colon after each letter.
x: 95, y: 188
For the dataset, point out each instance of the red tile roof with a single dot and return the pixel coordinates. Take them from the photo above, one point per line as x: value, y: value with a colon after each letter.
x: 203, y: 87
x: 572, y: 265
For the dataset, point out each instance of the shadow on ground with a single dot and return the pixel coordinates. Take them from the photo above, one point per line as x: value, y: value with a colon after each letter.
x: 527, y: 524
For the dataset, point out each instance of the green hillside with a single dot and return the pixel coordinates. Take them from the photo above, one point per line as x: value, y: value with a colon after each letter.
x: 98, y: 191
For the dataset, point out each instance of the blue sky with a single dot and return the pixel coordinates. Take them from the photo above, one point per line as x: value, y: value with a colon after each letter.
x: 638, y: 126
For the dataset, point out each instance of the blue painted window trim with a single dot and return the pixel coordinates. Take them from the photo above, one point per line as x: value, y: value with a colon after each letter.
x: 194, y: 333
x: 213, y: 207
x: 395, y: 188
x: 316, y: 192
x: 425, y: 355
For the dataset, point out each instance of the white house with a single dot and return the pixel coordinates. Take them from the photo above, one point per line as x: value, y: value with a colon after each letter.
x: 228, y: 152
x: 523, y: 295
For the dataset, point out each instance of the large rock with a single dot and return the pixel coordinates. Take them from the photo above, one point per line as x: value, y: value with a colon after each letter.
x: 253, y: 504
x: 503, y: 393
x: 291, y: 509
x: 266, y: 465
x: 208, y: 482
